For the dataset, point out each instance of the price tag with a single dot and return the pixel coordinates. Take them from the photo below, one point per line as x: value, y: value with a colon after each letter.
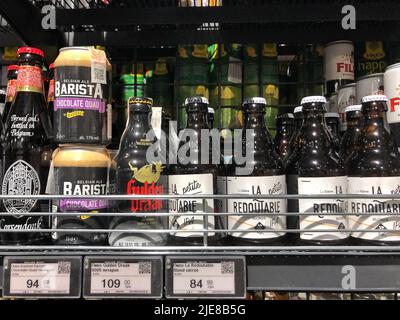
x: 123, y: 276
x: 42, y: 277
x: 197, y: 277
x: 206, y: 277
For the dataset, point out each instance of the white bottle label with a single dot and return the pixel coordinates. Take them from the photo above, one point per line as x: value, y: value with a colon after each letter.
x: 375, y: 185
x: 323, y: 186
x: 339, y: 62
x: 191, y: 184
x: 267, y: 185
x: 20, y: 179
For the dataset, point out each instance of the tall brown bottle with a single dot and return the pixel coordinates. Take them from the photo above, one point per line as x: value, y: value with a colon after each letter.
x: 193, y: 178
x: 12, y: 72
x: 316, y: 170
x: 266, y: 177
x: 374, y: 169
x: 285, y: 130
x: 26, y: 156
x: 348, y: 144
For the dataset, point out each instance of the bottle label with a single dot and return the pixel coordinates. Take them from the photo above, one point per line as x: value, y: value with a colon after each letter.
x: 79, y: 101
x: 50, y: 94
x: 269, y: 185
x: 339, y: 62
x: 191, y: 184
x: 392, y: 91
x: 23, y: 126
x: 29, y: 79
x: 11, y: 89
x: 323, y: 186
x: 20, y: 179
x: 380, y: 207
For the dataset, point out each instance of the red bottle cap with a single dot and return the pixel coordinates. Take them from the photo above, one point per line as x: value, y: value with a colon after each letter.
x: 32, y: 50
x: 51, y: 66
x: 12, y: 67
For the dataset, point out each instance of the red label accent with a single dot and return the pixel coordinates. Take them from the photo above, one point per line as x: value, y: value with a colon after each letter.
x: 344, y: 67
x: 142, y: 189
x: 11, y: 89
x: 394, y: 102
x: 50, y: 94
x: 30, y: 79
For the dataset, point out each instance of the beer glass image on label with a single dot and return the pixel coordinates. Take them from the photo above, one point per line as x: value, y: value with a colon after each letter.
x: 190, y: 184
x: 20, y: 179
x: 385, y: 213
x: 246, y: 209
x: 320, y: 221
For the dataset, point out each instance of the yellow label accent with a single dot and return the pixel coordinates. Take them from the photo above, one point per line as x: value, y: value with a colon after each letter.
x: 227, y: 93
x: 149, y: 173
x: 74, y: 114
x: 29, y: 89
x: 270, y: 50
x: 374, y: 50
x: 202, y: 91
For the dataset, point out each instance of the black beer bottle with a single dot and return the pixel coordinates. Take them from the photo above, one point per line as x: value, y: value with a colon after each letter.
x: 316, y: 170
x: 349, y: 140
x: 26, y: 154
x: 50, y: 93
x: 285, y: 129
x: 332, y: 122
x: 298, y: 122
x: 12, y: 72
x: 193, y: 177
x: 374, y: 169
x: 210, y: 118
x: 261, y: 175
x: 136, y: 174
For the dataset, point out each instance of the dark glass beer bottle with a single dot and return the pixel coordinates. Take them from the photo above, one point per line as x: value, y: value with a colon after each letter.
x: 298, y: 122
x: 12, y: 72
x: 316, y: 170
x: 26, y: 154
x: 264, y: 175
x: 50, y: 93
x: 284, y: 132
x: 349, y: 140
x: 191, y: 176
x: 211, y: 118
x: 332, y: 122
x: 374, y: 169
x: 136, y: 175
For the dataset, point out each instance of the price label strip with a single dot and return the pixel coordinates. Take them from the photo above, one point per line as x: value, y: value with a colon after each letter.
x: 42, y: 277
x: 211, y: 277
x: 133, y: 277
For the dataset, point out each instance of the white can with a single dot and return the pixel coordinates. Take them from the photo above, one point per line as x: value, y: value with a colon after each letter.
x: 346, y: 97
x: 369, y: 85
x: 333, y: 103
x: 338, y: 63
x: 392, y: 91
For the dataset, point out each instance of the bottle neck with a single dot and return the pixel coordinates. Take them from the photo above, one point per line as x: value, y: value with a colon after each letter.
x: 374, y: 132
x: 137, y: 127
x: 314, y: 133
x: 30, y: 78
x: 197, y: 120
x: 262, y: 138
x: 254, y: 121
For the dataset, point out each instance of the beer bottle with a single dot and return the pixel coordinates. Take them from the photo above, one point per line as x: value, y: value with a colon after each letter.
x: 285, y: 126
x: 314, y: 169
x: 193, y: 177
x: 26, y: 155
x: 2, y: 101
x: 332, y: 122
x: 211, y: 118
x: 349, y: 140
x: 267, y: 177
x: 374, y: 169
x: 135, y: 175
x: 298, y: 122
x: 12, y: 72
x: 50, y: 93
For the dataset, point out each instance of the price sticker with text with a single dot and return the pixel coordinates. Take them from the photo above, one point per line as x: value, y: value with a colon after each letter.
x: 201, y: 277
x: 120, y: 277
x: 40, y: 278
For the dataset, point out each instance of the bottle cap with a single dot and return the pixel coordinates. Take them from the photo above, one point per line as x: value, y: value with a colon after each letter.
x: 12, y: 67
x: 353, y: 108
x: 298, y: 109
x: 313, y: 99
x: 373, y: 98
x: 255, y: 100
x: 211, y: 110
x: 331, y: 115
x: 31, y: 50
x: 192, y: 100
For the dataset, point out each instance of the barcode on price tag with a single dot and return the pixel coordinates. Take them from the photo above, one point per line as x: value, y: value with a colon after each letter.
x: 40, y: 278
x: 201, y: 277
x: 117, y: 277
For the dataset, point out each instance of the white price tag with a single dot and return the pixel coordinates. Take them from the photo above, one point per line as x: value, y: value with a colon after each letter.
x: 197, y: 277
x: 115, y: 277
x: 40, y: 278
